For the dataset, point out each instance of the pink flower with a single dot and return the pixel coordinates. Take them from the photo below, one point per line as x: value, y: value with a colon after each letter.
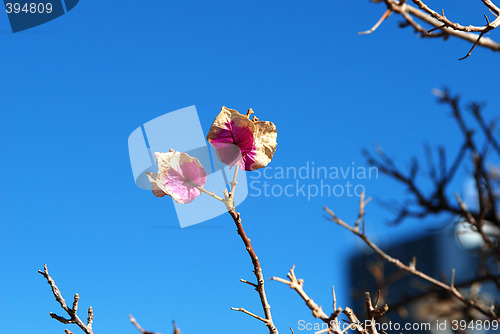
x: 239, y: 140
x: 179, y: 176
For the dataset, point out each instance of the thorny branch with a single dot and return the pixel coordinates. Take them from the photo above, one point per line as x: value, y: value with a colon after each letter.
x: 440, y: 22
x: 73, y: 317
x: 411, y: 268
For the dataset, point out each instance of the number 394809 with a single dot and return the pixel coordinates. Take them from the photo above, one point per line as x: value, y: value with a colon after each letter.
x: 28, y: 8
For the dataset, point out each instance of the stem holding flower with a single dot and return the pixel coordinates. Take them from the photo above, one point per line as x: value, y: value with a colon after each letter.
x: 240, y: 143
x: 259, y: 287
x: 268, y: 321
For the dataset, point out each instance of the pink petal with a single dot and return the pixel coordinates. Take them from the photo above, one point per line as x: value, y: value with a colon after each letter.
x: 178, y: 176
x: 237, y: 139
x: 231, y: 135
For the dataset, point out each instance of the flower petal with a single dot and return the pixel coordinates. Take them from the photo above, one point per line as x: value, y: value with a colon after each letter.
x: 265, y: 135
x: 155, y: 187
x: 178, y: 176
x: 237, y: 139
x: 231, y: 134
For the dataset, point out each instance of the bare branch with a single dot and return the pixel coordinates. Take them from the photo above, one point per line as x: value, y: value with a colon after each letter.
x: 139, y: 328
x: 317, y: 311
x: 421, y: 204
x: 370, y: 311
x: 241, y: 309
x: 411, y: 268
x: 441, y: 22
x: 143, y: 331
x: 453, y: 25
x: 257, y: 270
x: 492, y: 7
x: 73, y: 317
x: 354, y: 321
x: 249, y: 283
x: 384, y: 16
x: 478, y: 226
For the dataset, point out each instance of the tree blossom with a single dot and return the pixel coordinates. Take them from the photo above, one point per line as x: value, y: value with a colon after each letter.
x: 239, y: 140
x: 179, y: 176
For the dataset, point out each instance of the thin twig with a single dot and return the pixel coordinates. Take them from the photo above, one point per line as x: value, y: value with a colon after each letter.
x: 143, y: 331
x: 298, y: 285
x: 370, y: 311
x: 235, y: 178
x: 453, y: 25
x: 436, y: 202
x: 241, y: 309
x: 478, y: 226
x: 410, y: 268
x: 384, y: 16
x: 492, y: 7
x: 257, y: 271
x: 441, y: 22
x: 249, y: 283
x: 73, y: 317
x: 212, y: 194
x: 434, y: 290
x: 139, y: 328
x: 354, y: 321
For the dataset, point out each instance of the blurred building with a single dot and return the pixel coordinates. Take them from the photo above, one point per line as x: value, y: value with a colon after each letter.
x: 411, y: 300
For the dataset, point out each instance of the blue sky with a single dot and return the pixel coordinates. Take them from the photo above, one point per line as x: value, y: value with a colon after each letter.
x: 72, y: 90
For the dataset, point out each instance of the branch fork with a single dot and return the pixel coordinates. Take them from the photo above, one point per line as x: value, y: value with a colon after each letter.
x: 441, y: 22
x: 411, y: 268
x: 73, y: 317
